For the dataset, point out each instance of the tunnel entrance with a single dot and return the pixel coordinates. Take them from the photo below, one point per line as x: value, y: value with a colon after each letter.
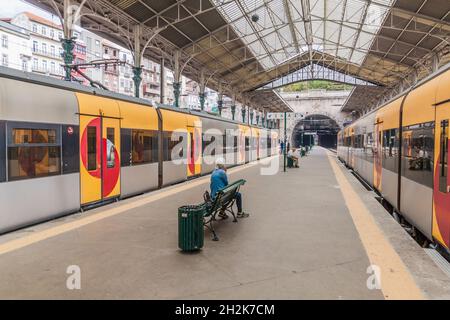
x: 315, y: 129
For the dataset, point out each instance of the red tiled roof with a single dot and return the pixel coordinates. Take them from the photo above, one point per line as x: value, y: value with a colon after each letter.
x: 41, y: 20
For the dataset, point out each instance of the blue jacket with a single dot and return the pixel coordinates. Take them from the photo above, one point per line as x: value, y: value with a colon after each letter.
x: 219, y: 180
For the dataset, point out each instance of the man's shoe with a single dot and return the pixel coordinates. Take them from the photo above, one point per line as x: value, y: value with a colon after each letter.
x: 242, y: 215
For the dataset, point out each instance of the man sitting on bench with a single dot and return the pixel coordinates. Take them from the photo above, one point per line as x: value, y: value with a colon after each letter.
x: 292, y: 155
x: 219, y: 180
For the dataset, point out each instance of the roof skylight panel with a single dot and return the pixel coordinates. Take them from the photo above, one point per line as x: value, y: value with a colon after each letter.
x: 230, y: 10
x: 354, y: 11
x: 334, y: 9
x: 332, y: 31
x: 295, y: 9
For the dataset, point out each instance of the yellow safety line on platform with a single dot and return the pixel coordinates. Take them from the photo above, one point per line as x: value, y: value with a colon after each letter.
x: 69, y: 226
x: 396, y: 280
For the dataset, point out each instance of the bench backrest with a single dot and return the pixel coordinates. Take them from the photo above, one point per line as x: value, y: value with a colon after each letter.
x: 226, y: 194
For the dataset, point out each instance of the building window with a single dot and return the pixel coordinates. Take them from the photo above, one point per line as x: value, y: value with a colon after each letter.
x: 44, y: 48
x: 52, y: 51
x: 24, y: 65
x: 59, y: 35
x: 44, y: 65
x: 35, y: 46
x: 53, y: 67
x: 34, y: 28
x: 97, y: 43
x: 33, y: 151
x: 5, y: 41
x: 44, y: 31
x: 5, y: 60
x: 52, y: 33
x: 35, y: 64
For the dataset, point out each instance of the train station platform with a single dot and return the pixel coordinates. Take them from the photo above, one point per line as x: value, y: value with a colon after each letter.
x: 313, y: 233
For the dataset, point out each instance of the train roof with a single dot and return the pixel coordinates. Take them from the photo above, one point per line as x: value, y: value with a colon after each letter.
x: 418, y: 84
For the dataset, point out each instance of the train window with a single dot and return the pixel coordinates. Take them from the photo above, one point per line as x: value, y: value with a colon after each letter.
x: 417, y: 153
x: 31, y: 136
x: 34, y: 150
x: 142, y: 146
x: 125, y: 146
x: 92, y: 148
x: 390, y: 150
x: 207, y: 140
x: 70, y: 149
x: 169, y: 143
x: 110, y: 135
x: 443, y: 161
x: 192, y: 143
x: 369, y: 147
x: 224, y: 139
x: 110, y: 148
x: 2, y: 151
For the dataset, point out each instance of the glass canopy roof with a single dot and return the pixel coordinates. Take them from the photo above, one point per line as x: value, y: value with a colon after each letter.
x: 287, y: 28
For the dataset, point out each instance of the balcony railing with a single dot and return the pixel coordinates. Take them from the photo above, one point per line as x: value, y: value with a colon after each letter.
x: 47, y: 54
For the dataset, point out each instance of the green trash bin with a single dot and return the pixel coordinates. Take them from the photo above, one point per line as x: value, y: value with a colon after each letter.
x: 190, y: 227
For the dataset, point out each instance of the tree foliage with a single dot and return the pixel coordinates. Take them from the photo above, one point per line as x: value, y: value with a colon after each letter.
x: 316, y: 85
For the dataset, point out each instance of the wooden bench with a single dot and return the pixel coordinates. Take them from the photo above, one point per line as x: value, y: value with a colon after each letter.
x: 223, y: 202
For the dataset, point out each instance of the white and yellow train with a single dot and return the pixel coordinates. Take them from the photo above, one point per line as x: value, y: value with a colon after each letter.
x: 64, y: 146
x: 401, y: 149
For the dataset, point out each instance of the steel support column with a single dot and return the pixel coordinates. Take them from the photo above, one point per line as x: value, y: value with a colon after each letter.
x: 177, y: 78
x: 68, y: 42
x: 220, y: 99
x: 68, y: 46
x: 285, y: 143
x: 137, y: 68
x: 162, y: 82
x: 202, y: 85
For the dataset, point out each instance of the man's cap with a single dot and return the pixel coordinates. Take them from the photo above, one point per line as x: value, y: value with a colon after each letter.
x: 220, y: 161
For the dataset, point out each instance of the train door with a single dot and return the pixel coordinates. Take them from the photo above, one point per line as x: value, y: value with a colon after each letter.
x: 194, y: 150
x: 378, y: 144
x: 100, y: 162
x: 441, y: 194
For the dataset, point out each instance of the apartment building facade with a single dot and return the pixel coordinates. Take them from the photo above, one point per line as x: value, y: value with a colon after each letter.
x: 111, y: 71
x: 94, y: 49
x: 45, y: 42
x: 15, y: 50
x: 37, y: 48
